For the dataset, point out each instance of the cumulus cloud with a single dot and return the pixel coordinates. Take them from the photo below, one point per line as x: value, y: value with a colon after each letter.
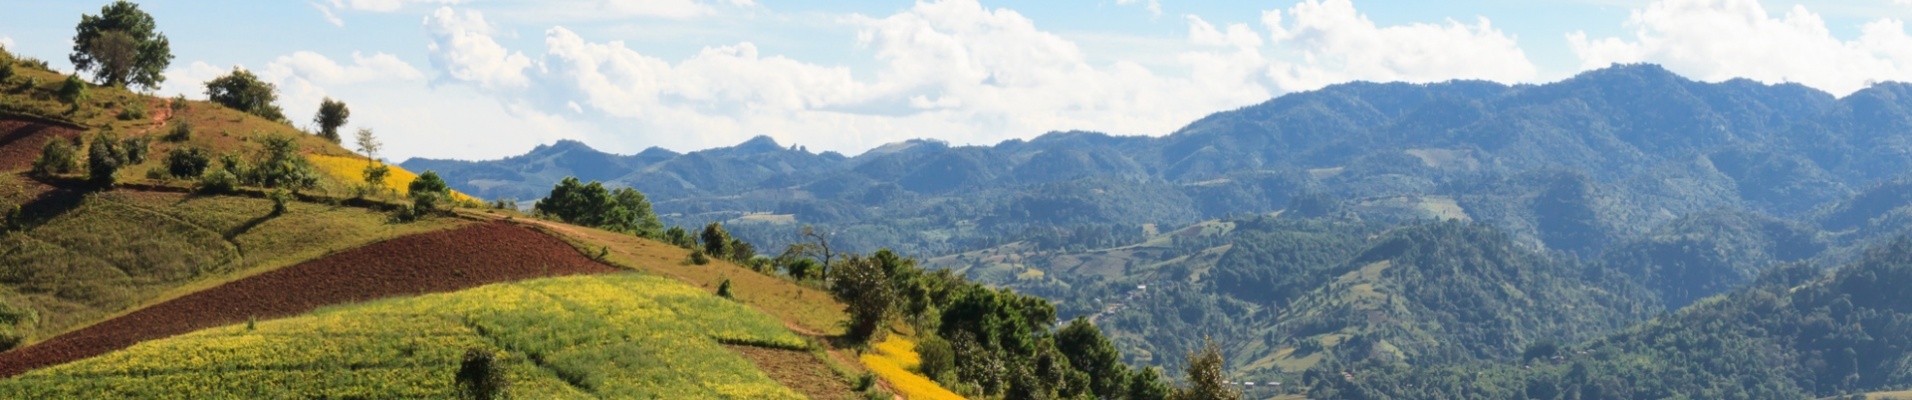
x: 386, y: 5
x: 1723, y: 39
x: 6, y: 42
x: 951, y: 69
x: 462, y: 48
x: 1334, y: 43
x: 190, y: 80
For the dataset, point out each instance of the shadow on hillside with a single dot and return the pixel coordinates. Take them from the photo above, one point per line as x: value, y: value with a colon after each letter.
x: 247, y: 227
x: 63, y: 197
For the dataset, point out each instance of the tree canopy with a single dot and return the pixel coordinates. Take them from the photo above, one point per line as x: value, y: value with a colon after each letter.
x: 332, y: 114
x: 623, y: 210
x: 122, y: 46
x: 243, y: 91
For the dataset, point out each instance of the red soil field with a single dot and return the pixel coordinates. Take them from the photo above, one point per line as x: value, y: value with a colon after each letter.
x: 20, y: 141
x: 443, y: 261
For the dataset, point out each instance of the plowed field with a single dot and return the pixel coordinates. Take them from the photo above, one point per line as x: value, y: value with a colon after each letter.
x: 20, y: 142
x: 425, y: 263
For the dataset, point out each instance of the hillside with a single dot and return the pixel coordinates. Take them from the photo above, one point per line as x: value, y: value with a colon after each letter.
x: 623, y: 336
x: 1794, y: 333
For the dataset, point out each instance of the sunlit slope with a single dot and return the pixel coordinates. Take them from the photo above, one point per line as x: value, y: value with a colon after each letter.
x: 614, y: 336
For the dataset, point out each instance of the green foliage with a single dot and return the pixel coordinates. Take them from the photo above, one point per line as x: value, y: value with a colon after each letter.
x: 73, y: 91
x: 697, y: 257
x: 715, y: 239
x: 481, y: 376
x: 121, y: 46
x: 134, y: 110
x: 187, y: 162
x: 16, y: 324
x: 104, y: 157
x: 1206, y: 377
x: 723, y: 289
x: 135, y: 149
x: 677, y: 236
x: 863, y: 284
x: 622, y: 210
x: 277, y: 165
x: 179, y: 131
x: 58, y: 156
x: 218, y: 181
x: 938, y: 359
x: 243, y: 91
x: 332, y: 114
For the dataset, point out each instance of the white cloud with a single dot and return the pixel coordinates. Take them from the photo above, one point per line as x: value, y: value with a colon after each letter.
x: 462, y: 48
x: 6, y: 42
x: 950, y: 69
x: 1335, y: 43
x: 190, y: 80
x: 329, y: 16
x: 386, y: 5
x: 1155, y: 6
x: 1722, y: 39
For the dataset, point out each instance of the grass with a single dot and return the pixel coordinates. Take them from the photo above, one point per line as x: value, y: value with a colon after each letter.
x: 801, y: 306
x: 351, y: 169
x: 895, y: 360
x: 615, y: 336
x: 114, y: 251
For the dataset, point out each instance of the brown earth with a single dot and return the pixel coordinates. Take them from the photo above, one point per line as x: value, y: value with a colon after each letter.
x: 799, y: 371
x: 20, y: 141
x: 440, y: 261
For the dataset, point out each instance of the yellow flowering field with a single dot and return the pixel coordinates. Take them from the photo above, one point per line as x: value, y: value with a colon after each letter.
x: 893, y: 359
x: 604, y: 336
x: 352, y: 169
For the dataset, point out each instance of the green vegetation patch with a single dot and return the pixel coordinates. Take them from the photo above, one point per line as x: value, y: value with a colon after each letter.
x: 105, y: 253
x: 611, y: 336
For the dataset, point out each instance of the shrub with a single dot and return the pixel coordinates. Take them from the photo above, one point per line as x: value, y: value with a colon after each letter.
x: 180, y: 131
x: 103, y: 159
x: 243, y: 91
x: 187, y: 162
x: 697, y: 257
x: 429, y: 182
x: 6, y: 69
x: 57, y: 157
x: 280, y: 166
x: 936, y: 355
x: 134, y: 110
x: 677, y: 236
x: 279, y: 199
x: 218, y: 181
x: 135, y: 149
x: 723, y: 289
x: 16, y: 323
x: 73, y: 91
x: 480, y: 376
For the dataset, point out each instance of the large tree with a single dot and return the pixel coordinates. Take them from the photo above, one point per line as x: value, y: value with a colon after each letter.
x: 332, y: 114
x: 243, y: 91
x: 122, y: 46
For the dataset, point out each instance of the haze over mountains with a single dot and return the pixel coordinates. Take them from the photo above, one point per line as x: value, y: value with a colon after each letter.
x: 1295, y: 231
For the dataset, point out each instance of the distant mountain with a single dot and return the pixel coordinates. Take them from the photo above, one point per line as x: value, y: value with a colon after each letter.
x: 1576, y: 165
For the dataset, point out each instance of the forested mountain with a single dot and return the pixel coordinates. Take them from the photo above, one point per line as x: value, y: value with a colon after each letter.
x: 1297, y: 232
x: 1576, y: 165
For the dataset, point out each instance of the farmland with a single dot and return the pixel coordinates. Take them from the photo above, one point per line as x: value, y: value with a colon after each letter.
x: 351, y: 169
x: 624, y: 336
x: 895, y: 360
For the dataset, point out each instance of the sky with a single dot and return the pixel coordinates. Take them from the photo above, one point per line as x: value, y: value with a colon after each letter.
x: 486, y: 79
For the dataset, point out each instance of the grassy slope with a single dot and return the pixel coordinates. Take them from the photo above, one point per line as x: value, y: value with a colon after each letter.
x: 114, y: 251
x: 620, y: 336
x: 99, y: 255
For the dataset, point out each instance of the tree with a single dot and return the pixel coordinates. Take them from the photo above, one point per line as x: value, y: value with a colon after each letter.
x: 820, y: 242
x: 1095, y: 355
x: 187, y: 162
x: 332, y: 115
x: 429, y: 182
x: 368, y: 143
x: 864, y: 285
x: 638, y: 217
x: 243, y: 91
x: 1205, y: 376
x: 122, y: 46
x: 716, y: 239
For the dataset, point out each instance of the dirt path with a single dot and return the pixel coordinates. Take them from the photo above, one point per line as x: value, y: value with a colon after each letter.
x: 431, y: 262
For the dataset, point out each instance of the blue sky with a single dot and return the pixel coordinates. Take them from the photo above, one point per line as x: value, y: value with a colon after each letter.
x: 483, y: 79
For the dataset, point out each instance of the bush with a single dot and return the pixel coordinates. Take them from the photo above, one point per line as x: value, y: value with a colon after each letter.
x: 104, y: 159
x: 57, y: 157
x: 429, y: 182
x: 73, y: 91
x: 135, y: 149
x: 697, y: 257
x: 677, y: 236
x: 937, y: 356
x: 134, y: 110
x: 481, y: 377
x: 279, y: 199
x: 218, y: 181
x: 723, y: 289
x: 180, y: 131
x: 187, y: 162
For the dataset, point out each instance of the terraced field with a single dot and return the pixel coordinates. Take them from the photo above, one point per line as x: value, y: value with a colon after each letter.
x: 431, y: 262
x: 614, y: 336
